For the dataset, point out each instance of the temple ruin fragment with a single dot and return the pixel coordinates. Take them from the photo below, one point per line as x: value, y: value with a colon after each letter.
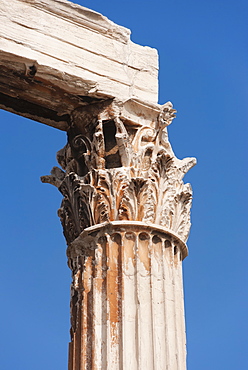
x: 125, y: 211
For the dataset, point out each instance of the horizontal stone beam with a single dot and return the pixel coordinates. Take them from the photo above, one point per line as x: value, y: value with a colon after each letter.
x: 56, y: 56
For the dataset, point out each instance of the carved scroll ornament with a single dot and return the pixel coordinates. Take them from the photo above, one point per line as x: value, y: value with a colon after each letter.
x: 117, y: 169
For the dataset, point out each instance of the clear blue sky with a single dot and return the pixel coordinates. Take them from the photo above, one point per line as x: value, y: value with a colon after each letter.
x: 204, y: 72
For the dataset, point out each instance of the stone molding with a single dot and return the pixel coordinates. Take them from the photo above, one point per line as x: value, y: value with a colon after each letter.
x: 120, y: 226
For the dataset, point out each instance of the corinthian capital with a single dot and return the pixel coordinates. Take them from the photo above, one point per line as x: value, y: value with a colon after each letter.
x: 118, y: 165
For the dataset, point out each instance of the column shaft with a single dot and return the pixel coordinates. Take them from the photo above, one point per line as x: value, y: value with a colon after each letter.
x: 129, y: 308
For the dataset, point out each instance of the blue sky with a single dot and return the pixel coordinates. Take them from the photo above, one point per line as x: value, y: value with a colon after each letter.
x: 203, y: 71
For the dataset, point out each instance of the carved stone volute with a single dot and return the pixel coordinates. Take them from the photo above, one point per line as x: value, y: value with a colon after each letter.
x: 117, y: 168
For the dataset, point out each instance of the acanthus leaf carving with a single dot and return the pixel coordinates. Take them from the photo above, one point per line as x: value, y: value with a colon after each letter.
x: 113, y: 175
x: 76, y: 208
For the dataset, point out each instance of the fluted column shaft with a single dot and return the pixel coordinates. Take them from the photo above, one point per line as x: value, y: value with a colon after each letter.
x: 129, y: 308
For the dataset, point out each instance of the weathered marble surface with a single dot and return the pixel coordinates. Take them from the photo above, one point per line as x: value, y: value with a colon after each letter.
x: 63, y: 50
x: 120, y: 166
x: 126, y: 218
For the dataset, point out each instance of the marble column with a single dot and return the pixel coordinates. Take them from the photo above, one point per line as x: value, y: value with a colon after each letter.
x: 126, y: 218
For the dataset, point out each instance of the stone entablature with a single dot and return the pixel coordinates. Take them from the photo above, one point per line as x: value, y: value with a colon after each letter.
x: 56, y: 56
